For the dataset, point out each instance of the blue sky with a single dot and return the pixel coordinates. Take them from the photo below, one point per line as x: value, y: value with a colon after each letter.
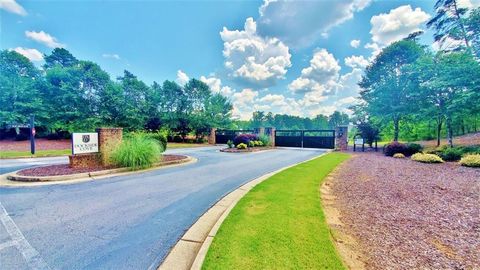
x: 301, y: 58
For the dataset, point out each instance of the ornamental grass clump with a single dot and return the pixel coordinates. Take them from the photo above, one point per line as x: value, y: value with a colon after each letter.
x: 137, y: 152
x: 241, y: 146
x: 427, y: 158
x: 471, y: 161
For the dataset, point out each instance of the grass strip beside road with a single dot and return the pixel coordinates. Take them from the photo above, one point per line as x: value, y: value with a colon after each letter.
x: 279, y: 224
x: 38, y: 153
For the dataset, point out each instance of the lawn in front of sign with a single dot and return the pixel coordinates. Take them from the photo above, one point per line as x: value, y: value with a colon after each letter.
x: 38, y: 153
x: 279, y: 224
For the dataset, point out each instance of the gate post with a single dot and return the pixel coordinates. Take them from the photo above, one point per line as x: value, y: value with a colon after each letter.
x: 341, y: 138
x: 211, y: 136
x: 270, y: 132
x: 108, y: 140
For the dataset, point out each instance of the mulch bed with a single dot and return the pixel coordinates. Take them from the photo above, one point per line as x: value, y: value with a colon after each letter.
x: 235, y: 150
x: 409, y: 215
x: 64, y: 169
x: 40, y: 144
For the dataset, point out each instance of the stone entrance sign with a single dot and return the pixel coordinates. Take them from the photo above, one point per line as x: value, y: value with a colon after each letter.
x: 83, y: 143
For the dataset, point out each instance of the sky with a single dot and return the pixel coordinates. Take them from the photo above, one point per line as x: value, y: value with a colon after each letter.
x: 296, y: 57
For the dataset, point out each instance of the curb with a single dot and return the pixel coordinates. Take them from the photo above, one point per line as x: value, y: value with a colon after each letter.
x: 191, y: 249
x: 21, y: 180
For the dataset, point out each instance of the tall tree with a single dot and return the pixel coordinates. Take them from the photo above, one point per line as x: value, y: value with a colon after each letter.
x: 337, y: 118
x: 61, y: 57
x: 449, y: 26
x: 450, y: 87
x: 472, y: 25
x: 386, y: 85
x: 19, y: 95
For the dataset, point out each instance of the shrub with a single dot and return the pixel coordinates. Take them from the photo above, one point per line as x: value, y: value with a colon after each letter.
x: 265, y: 140
x: 241, y: 146
x: 251, y: 144
x: 159, y: 136
x: 413, y: 148
x: 471, y: 161
x: 244, y: 138
x: 259, y: 143
x: 427, y: 158
x: 230, y: 144
x: 451, y: 154
x: 399, y: 155
x: 471, y: 149
x: 137, y: 152
x: 369, y: 132
x: 393, y: 148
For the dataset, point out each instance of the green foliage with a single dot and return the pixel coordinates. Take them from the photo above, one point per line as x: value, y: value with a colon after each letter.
x: 393, y: 148
x: 265, y: 140
x: 427, y: 158
x: 451, y: 154
x: 251, y: 144
x: 369, y: 132
x: 399, y: 155
x: 241, y: 146
x: 413, y: 148
x: 160, y: 136
x: 230, y: 144
x: 471, y: 161
x: 137, y: 151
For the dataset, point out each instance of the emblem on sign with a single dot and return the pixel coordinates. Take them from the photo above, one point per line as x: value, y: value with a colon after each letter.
x: 85, y: 138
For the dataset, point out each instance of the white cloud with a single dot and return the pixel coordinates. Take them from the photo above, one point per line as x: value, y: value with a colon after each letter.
x: 13, y: 7
x: 182, y: 77
x: 215, y: 85
x: 299, y: 24
x: 112, y: 56
x: 320, y: 76
x: 469, y: 3
x: 397, y: 24
x: 355, y: 43
x: 356, y: 61
x: 32, y: 54
x: 44, y: 38
x: 243, y: 103
x: 253, y: 59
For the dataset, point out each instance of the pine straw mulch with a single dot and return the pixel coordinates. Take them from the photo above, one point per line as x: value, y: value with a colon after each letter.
x: 409, y: 215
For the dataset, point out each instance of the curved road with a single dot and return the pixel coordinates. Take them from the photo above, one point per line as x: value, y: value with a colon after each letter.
x: 124, y: 222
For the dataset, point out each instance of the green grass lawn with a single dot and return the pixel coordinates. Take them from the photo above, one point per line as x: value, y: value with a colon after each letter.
x: 38, y: 153
x: 279, y: 224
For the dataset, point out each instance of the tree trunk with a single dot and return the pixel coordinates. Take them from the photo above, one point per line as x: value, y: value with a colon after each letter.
x: 449, y: 132
x: 395, y: 129
x: 462, y: 27
x: 439, y: 130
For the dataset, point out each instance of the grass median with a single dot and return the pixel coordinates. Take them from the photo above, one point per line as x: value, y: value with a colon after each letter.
x: 279, y: 224
x: 38, y: 153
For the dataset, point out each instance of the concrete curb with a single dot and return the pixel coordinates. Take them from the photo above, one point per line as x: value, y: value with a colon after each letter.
x: 190, y: 251
x: 20, y: 180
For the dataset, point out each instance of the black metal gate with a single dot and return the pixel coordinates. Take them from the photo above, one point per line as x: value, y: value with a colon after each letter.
x: 222, y: 136
x: 305, y: 138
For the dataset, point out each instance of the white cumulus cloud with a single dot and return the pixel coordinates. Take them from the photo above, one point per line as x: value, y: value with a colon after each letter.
x: 397, y: 24
x: 321, y: 76
x: 356, y: 61
x: 182, y: 77
x: 32, y: 54
x: 13, y: 7
x: 299, y: 24
x: 355, y: 43
x: 44, y: 38
x: 254, y: 59
x: 215, y: 85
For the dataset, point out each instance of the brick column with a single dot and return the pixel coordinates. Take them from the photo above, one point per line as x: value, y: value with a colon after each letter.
x: 211, y: 136
x: 108, y: 140
x: 341, y: 138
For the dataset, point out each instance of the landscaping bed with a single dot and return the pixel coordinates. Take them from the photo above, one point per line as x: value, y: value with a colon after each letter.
x: 64, y: 169
x: 410, y: 215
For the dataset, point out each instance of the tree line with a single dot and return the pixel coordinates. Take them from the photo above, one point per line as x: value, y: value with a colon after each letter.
x: 413, y: 92
x: 67, y: 94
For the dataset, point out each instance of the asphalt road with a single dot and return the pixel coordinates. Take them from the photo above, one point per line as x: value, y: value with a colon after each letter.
x: 10, y: 165
x: 125, y: 222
